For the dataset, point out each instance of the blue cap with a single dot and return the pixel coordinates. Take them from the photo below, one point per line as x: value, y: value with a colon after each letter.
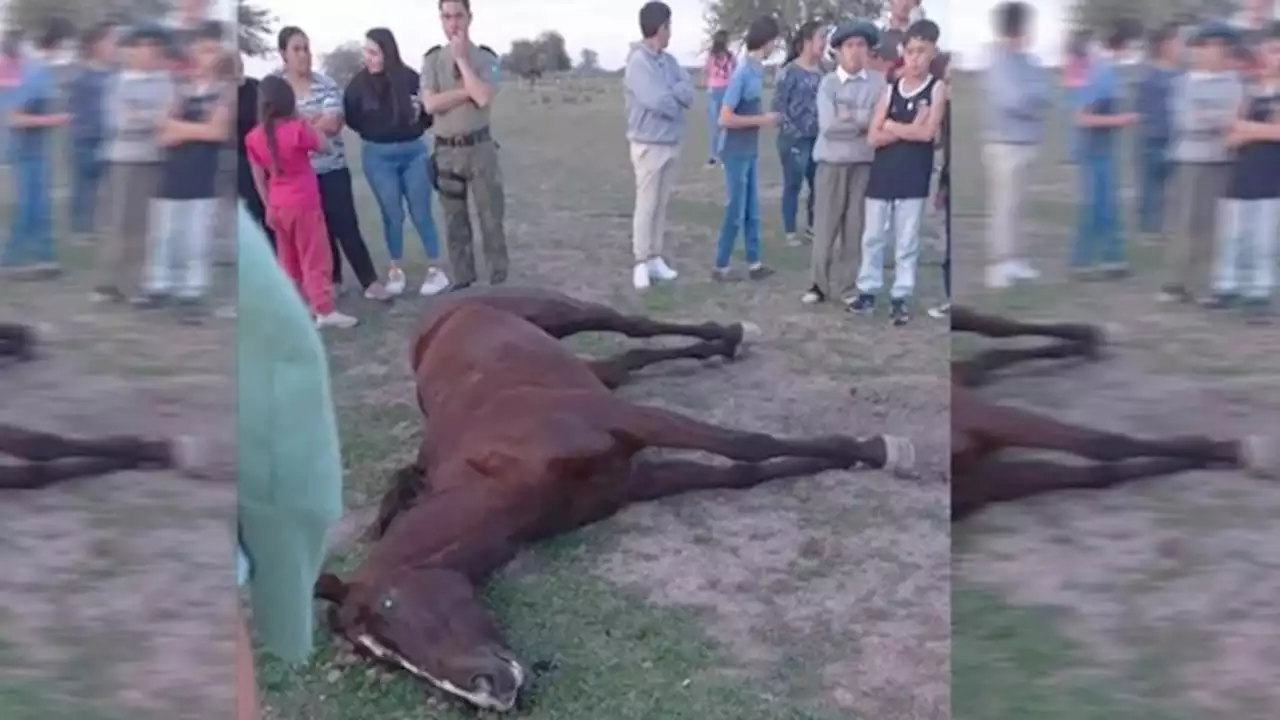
x: 861, y: 28
x: 145, y: 32
x: 1215, y: 30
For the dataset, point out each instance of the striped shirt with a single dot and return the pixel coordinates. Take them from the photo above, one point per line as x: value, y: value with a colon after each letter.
x: 325, y: 96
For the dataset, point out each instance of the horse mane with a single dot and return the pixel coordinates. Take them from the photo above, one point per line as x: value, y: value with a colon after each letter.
x: 406, y: 486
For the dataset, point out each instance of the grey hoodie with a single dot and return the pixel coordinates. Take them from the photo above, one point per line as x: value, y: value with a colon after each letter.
x: 657, y: 92
x: 1018, y: 98
x: 1203, y: 106
x: 136, y: 104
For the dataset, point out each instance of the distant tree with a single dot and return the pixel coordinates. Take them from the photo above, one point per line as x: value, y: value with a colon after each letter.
x: 1098, y: 14
x: 32, y: 14
x: 552, y: 51
x: 589, y: 60
x: 734, y: 16
x: 343, y: 62
x: 531, y: 59
x: 254, y: 29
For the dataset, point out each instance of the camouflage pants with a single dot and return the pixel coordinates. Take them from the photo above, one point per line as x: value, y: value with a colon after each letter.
x: 473, y: 168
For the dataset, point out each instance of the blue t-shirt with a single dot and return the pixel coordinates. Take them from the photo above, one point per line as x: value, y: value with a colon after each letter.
x: 1100, y: 95
x: 35, y: 94
x: 745, y: 96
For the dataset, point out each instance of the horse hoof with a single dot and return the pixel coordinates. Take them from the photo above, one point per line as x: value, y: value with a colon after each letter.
x: 751, y: 333
x: 1260, y: 457
x: 899, y: 456
x: 188, y: 453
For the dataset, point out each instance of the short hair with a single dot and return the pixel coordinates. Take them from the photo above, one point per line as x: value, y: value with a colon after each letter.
x: 56, y: 31
x: 1270, y: 32
x: 210, y: 30
x: 923, y: 30
x: 466, y: 4
x: 1012, y: 19
x: 653, y: 17
x: 762, y: 31
x: 1123, y: 31
x: 95, y: 35
x: 1162, y: 35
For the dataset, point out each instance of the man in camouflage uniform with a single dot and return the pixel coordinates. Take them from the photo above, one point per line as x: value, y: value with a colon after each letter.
x: 459, y: 81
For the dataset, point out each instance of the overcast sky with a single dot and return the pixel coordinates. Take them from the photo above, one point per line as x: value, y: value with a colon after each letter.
x: 606, y: 26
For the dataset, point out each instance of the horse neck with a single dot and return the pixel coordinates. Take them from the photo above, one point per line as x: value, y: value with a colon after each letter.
x: 471, y: 528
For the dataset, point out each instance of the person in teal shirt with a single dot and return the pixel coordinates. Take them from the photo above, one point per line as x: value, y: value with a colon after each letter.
x: 290, y: 463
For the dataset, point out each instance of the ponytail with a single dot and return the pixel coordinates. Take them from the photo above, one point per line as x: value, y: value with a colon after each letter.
x: 273, y: 145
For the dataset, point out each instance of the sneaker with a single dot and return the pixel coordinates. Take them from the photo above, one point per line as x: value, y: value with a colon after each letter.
x: 395, y: 281
x: 724, y: 275
x: 813, y: 296
x: 808, y: 234
x: 794, y: 240
x: 940, y: 312
x: 377, y: 291
x: 640, y: 276
x: 1020, y: 270
x: 712, y: 162
x: 864, y: 304
x: 1221, y: 301
x: 108, y: 295
x: 998, y: 277
x: 434, y: 283
x: 1175, y: 294
x: 458, y: 286
x: 150, y: 301
x: 1115, y: 271
x: 759, y: 271
x: 899, y: 312
x: 660, y: 270
x: 46, y: 270
x: 337, y: 320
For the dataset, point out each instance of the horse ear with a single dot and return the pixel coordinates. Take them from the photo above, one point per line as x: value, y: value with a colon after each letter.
x: 330, y: 589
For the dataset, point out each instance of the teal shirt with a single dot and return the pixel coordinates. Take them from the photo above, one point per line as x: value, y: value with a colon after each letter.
x: 290, y: 463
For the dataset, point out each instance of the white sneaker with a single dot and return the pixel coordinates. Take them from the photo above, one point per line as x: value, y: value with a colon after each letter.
x: 640, y: 276
x: 395, y: 281
x: 1020, y: 270
x: 998, y: 276
x: 812, y: 297
x: 337, y: 320
x: 435, y: 282
x: 660, y: 270
x: 793, y: 240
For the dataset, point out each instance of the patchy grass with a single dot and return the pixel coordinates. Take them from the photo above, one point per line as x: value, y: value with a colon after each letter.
x: 823, y: 597
x: 1116, y: 604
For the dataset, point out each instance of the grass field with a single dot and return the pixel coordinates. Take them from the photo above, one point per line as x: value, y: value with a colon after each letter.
x: 822, y: 598
x: 1151, y: 601
x: 116, y: 596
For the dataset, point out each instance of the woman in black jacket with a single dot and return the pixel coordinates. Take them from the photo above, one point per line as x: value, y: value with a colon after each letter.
x: 382, y: 106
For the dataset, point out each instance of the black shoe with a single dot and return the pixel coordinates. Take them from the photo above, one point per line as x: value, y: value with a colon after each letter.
x: 1176, y: 294
x: 724, y: 275
x: 150, y: 301
x: 190, y: 311
x: 759, y: 272
x: 1221, y: 301
x: 108, y: 294
x: 455, y: 287
x: 899, y: 313
x: 864, y: 304
x: 1256, y: 311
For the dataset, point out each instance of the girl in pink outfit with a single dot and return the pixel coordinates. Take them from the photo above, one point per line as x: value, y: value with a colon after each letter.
x: 716, y: 72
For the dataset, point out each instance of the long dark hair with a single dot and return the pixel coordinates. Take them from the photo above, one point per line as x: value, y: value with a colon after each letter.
x: 276, y: 102
x: 803, y: 35
x: 720, y: 44
x: 286, y: 34
x: 392, y: 66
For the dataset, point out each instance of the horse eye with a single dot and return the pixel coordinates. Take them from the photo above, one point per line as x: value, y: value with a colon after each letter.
x: 388, y: 603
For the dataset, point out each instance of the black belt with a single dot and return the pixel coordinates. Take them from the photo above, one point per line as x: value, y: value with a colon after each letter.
x: 472, y: 138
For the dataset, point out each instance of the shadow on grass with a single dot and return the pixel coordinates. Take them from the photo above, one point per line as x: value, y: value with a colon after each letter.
x: 602, y: 652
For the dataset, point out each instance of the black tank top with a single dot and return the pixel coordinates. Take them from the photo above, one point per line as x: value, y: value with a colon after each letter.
x: 1256, y: 172
x: 903, y: 170
x: 190, y: 169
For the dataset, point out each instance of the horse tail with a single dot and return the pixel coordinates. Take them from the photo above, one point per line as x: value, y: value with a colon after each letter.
x: 406, y: 485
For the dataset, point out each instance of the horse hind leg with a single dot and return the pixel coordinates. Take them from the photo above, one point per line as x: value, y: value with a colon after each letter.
x: 968, y: 321
x: 654, y: 479
x: 17, y: 341
x: 39, y: 446
x: 1001, y: 481
x: 646, y: 426
x: 979, y: 369
x: 590, y: 317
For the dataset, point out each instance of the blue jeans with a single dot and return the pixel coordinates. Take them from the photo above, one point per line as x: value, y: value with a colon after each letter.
x: 1098, y: 228
x: 798, y: 167
x: 715, y: 133
x: 87, y: 169
x: 31, y: 229
x: 1154, y: 170
x: 400, y: 174
x: 742, y: 209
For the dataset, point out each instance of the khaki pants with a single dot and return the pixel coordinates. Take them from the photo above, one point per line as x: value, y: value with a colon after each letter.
x: 655, y: 167
x: 1197, y: 188
x: 1008, y: 170
x: 839, y: 217
x: 129, y: 190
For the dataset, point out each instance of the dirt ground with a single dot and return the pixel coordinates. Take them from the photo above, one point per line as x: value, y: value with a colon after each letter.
x: 824, y: 597
x: 117, y: 592
x: 1165, y: 587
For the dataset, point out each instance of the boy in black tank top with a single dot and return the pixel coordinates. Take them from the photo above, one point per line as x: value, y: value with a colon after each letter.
x: 903, y: 131
x: 1244, y: 262
x: 199, y: 126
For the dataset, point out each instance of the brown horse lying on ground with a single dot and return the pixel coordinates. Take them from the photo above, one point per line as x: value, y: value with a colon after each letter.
x: 52, y: 458
x: 524, y: 441
x: 981, y: 430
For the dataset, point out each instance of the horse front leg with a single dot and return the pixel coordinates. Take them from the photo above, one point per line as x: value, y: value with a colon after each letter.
x: 17, y: 341
x: 979, y: 369
x: 591, y: 317
x: 646, y: 426
x: 966, y: 320
x: 1000, y: 481
x: 655, y: 479
x: 36, y: 475
x: 47, y: 447
x: 616, y: 371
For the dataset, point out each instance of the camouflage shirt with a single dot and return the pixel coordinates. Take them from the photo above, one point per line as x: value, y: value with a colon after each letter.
x: 440, y: 74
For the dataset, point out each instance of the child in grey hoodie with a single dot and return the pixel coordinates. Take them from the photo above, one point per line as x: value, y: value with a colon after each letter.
x: 1205, y: 103
x: 137, y: 102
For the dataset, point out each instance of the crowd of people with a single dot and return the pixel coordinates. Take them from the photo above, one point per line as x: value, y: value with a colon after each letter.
x: 1205, y: 128
x: 860, y: 110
